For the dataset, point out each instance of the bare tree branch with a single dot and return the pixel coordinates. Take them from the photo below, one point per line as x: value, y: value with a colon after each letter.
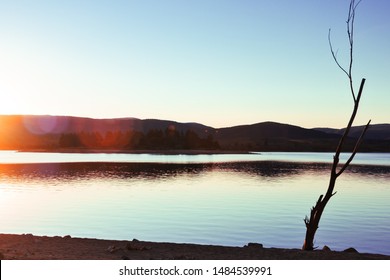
x: 351, y: 120
x: 335, y: 55
x: 350, y: 32
x: 354, y: 150
x: 312, y: 222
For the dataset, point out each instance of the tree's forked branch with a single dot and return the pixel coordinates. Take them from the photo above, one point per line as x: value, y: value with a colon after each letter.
x: 312, y: 222
x: 351, y: 120
x: 357, y: 145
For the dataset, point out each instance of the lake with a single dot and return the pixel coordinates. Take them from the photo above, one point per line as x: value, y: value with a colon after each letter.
x: 207, y: 199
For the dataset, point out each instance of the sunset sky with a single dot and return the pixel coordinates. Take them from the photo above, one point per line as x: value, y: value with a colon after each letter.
x: 216, y: 62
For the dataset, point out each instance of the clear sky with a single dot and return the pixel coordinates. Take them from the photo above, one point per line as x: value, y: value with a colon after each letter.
x: 217, y: 62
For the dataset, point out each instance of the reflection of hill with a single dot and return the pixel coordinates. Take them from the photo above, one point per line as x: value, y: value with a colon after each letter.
x: 65, y: 172
x: 53, y: 133
x: 74, y: 171
x: 266, y: 169
x: 68, y: 172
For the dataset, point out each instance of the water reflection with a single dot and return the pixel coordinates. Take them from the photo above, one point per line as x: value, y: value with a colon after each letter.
x: 70, y: 171
x: 150, y: 171
x: 214, y: 203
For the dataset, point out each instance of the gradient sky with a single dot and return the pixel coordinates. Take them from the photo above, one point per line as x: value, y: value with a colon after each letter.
x: 217, y: 62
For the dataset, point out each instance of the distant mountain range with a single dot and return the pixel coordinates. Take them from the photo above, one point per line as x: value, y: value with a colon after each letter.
x: 376, y: 132
x: 50, y: 132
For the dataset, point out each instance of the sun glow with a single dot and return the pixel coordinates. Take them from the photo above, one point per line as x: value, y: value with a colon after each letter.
x: 8, y: 101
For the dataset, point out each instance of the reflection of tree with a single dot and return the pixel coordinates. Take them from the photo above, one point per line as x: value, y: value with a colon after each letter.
x: 63, y: 172
x: 96, y: 170
x: 370, y: 170
x: 272, y: 169
x: 73, y: 171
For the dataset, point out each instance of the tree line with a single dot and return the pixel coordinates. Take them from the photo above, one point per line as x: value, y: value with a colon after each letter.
x: 155, y: 139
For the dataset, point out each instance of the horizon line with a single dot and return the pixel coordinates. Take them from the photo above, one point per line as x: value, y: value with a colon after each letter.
x: 170, y: 120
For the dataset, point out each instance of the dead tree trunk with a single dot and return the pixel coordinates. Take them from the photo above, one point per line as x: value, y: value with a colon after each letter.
x: 313, y: 221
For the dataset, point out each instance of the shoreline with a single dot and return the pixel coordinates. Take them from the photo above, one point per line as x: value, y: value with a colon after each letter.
x: 119, y: 151
x: 32, y: 247
x: 166, y: 152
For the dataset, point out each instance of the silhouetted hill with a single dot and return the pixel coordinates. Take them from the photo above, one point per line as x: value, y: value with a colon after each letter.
x: 63, y: 124
x: 376, y: 131
x: 377, y: 138
x: 52, y: 132
x: 36, y: 132
x: 271, y: 136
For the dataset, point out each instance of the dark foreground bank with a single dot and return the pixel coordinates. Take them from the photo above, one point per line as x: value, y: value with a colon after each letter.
x: 30, y: 247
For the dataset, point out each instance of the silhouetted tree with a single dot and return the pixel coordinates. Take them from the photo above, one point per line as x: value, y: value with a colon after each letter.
x: 134, y: 139
x: 70, y: 140
x: 312, y: 222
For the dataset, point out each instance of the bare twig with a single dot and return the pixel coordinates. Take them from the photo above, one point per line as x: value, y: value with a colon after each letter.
x: 350, y: 32
x: 335, y: 54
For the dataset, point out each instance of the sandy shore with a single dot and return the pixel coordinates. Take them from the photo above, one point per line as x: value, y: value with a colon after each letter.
x: 30, y: 247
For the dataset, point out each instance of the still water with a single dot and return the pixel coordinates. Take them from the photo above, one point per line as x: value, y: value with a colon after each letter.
x: 207, y: 199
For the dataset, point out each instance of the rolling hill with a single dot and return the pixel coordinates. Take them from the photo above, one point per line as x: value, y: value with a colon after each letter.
x: 46, y: 132
x: 376, y: 132
x: 271, y: 136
